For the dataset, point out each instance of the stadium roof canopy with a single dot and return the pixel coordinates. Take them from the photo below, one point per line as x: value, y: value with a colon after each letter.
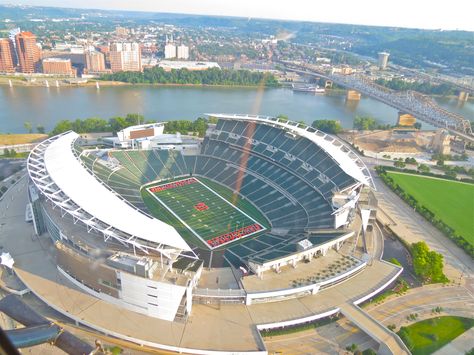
x: 340, y: 153
x: 84, y: 190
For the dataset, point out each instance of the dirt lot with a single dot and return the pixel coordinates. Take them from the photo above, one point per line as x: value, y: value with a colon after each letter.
x: 391, y: 141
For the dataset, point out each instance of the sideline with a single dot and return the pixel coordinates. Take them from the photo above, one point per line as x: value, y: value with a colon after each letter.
x: 428, y: 177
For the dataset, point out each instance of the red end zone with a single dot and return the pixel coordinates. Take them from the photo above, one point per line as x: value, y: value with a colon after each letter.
x: 229, y: 237
x: 173, y: 185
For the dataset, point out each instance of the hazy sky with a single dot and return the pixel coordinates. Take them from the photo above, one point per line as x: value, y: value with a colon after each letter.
x: 436, y: 14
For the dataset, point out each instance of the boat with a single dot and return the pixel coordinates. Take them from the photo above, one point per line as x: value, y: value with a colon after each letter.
x: 315, y: 89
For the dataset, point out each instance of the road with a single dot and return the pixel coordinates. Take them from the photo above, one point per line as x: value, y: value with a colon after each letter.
x: 455, y: 300
x: 333, y: 338
x: 9, y: 166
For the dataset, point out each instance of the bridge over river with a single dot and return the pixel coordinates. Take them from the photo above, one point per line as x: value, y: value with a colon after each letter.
x: 420, y: 106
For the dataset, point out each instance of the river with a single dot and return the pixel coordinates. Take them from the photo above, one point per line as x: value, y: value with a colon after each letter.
x: 46, y: 106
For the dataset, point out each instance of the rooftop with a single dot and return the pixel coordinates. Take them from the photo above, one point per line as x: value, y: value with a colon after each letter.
x: 68, y: 174
x: 56, y: 60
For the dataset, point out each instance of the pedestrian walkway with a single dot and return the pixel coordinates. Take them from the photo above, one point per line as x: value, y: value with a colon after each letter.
x: 389, y: 342
x: 461, y: 345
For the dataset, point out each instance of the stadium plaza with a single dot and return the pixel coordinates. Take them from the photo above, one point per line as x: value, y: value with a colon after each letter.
x: 86, y: 260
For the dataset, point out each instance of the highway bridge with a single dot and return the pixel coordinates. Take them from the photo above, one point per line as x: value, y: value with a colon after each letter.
x: 420, y: 106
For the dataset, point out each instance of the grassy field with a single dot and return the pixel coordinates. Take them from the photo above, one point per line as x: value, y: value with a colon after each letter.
x: 179, y: 206
x: 11, y: 139
x: 451, y: 201
x: 427, y: 336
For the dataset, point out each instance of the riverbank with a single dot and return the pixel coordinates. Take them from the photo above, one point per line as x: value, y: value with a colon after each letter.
x: 41, y: 82
x: 21, y: 138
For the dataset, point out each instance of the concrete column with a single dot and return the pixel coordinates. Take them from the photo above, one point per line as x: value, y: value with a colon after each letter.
x: 405, y: 119
x: 463, y: 96
x: 248, y: 300
x: 352, y: 95
x: 189, y: 299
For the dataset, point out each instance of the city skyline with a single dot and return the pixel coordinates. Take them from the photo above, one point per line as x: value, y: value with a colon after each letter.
x: 365, y: 12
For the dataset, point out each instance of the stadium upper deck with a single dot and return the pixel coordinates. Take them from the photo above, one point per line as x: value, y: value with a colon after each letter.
x: 61, y: 177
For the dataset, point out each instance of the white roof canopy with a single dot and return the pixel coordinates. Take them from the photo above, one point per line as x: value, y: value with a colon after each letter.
x: 86, y: 191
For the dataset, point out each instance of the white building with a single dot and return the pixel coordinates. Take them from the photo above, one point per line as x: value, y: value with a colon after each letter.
x: 143, y: 284
x: 183, y: 52
x: 170, y: 51
x: 168, y: 65
x: 141, y: 131
x: 128, y: 137
x: 383, y: 60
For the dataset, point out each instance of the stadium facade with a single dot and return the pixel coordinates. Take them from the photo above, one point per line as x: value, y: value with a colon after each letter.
x: 305, y: 183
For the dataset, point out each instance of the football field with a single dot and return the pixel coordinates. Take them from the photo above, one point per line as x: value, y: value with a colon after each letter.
x: 205, y: 213
x: 451, y: 201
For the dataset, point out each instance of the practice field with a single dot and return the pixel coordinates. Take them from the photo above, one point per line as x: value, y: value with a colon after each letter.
x: 204, y: 212
x: 451, y: 201
x: 429, y: 335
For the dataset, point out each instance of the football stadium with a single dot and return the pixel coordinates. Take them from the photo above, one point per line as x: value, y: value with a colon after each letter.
x: 259, y: 214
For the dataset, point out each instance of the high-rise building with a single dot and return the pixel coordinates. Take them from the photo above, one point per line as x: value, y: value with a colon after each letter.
x: 170, y: 51
x: 183, y: 52
x: 29, y: 54
x: 7, y: 55
x: 383, y: 60
x: 125, y: 57
x: 95, y: 61
x: 58, y: 66
x: 12, y: 35
x: 170, y: 48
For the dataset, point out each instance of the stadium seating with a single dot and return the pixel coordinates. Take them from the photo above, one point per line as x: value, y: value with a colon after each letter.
x: 269, y: 247
x: 288, y: 178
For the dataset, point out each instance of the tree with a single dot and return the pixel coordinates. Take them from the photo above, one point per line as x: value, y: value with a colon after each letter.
x: 423, y: 168
x: 450, y: 173
x: 365, y: 123
x: 328, y: 126
x: 212, y: 120
x: 417, y: 125
x: 134, y: 119
x: 28, y: 126
x: 117, y: 123
x: 9, y: 153
x: 61, y: 127
x: 395, y: 261
x: 399, y: 164
x: 40, y: 129
x: 213, y: 76
x: 282, y: 118
x: 427, y: 264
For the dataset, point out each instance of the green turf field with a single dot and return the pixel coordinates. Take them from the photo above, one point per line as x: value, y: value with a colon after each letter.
x: 429, y: 335
x: 204, y: 212
x: 451, y: 201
